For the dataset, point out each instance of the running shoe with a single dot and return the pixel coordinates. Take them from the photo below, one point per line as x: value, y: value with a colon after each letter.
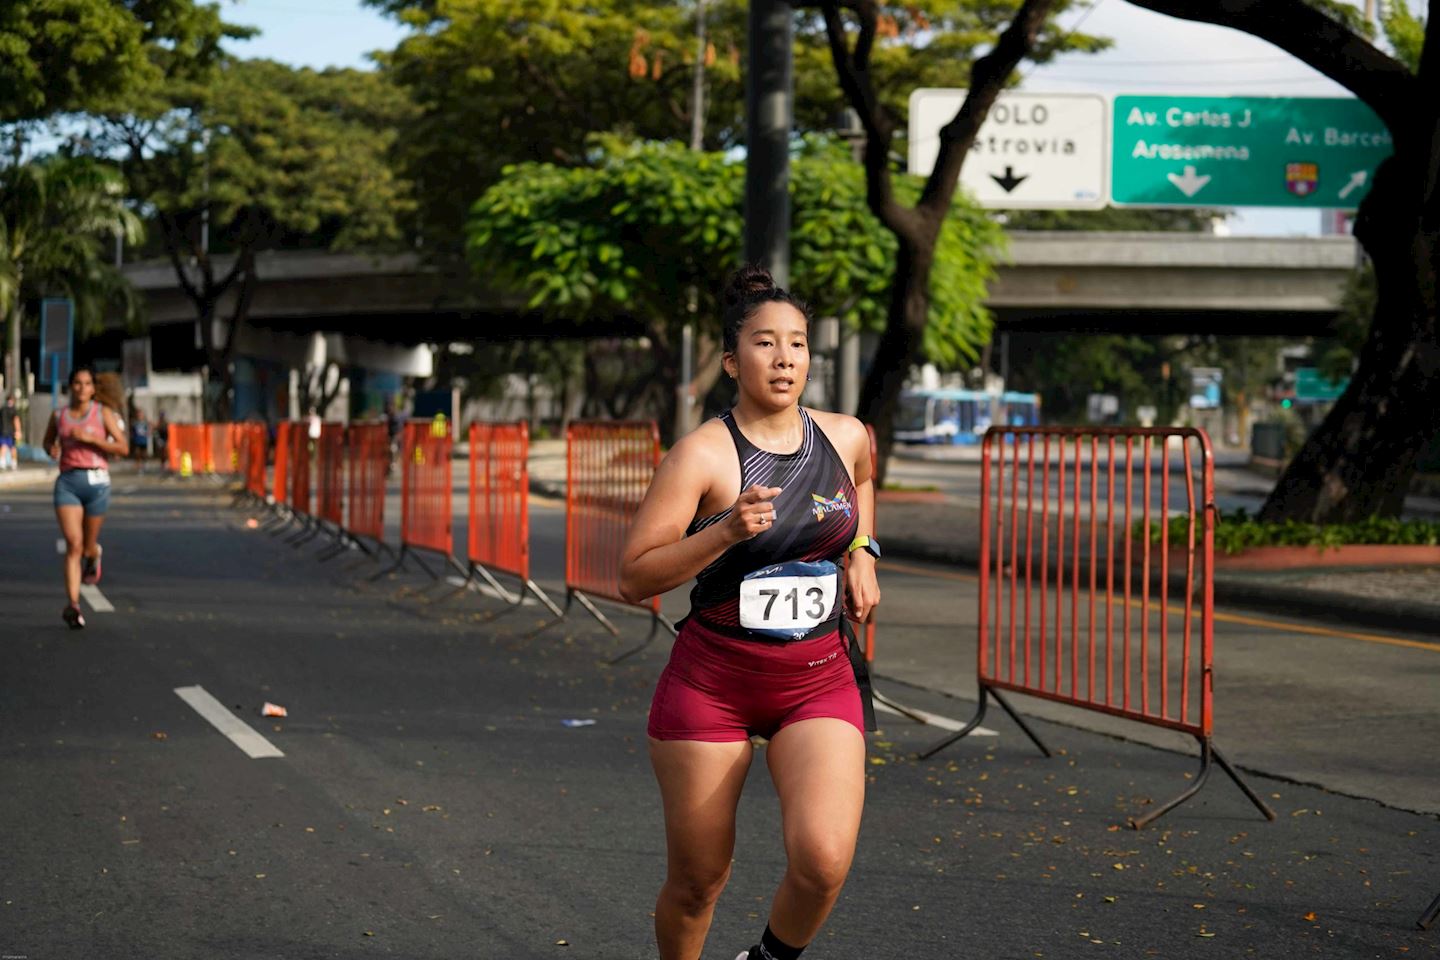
x: 90, y: 567
x: 74, y: 617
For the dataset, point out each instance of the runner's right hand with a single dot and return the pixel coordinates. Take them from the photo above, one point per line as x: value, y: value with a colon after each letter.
x: 753, y: 513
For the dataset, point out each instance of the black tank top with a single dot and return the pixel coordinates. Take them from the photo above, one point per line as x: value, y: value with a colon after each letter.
x: 816, y: 517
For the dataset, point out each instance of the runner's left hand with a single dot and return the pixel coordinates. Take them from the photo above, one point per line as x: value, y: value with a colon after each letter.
x: 862, y: 590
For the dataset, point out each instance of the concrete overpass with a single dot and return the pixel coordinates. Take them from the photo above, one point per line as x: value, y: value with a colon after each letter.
x: 1112, y: 282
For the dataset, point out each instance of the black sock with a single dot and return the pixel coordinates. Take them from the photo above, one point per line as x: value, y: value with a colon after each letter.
x: 772, y: 947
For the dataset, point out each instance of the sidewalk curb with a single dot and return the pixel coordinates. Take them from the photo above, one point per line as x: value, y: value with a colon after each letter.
x: 1257, y: 595
x: 27, y: 479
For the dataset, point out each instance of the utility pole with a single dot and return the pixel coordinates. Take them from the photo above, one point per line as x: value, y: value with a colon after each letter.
x: 685, y: 393
x: 769, y: 112
x: 697, y: 89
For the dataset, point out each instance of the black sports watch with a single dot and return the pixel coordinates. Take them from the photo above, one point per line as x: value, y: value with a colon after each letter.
x: 869, y: 544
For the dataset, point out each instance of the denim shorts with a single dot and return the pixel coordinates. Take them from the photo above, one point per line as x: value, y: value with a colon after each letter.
x: 79, y: 488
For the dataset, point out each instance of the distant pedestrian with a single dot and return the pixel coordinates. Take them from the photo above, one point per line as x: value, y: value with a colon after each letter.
x: 11, y: 434
x: 161, y: 433
x: 761, y: 507
x: 139, y: 435
x: 81, y: 436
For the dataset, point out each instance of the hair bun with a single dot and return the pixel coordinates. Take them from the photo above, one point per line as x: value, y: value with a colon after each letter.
x: 747, y: 282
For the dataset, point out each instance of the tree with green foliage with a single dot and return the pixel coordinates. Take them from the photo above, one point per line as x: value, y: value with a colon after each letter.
x: 54, y: 216
x: 68, y: 56
x: 510, y: 81
x: 582, y: 242
x: 855, y: 54
x: 256, y: 156
x: 1359, y: 461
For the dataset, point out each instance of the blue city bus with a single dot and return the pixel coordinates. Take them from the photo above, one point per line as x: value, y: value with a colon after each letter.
x: 961, y: 416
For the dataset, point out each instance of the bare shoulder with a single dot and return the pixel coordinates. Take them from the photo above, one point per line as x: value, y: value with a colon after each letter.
x: 844, y: 432
x: 695, y: 461
x: 702, y: 446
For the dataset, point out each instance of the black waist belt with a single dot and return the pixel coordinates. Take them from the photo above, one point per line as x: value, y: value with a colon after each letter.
x: 862, y: 672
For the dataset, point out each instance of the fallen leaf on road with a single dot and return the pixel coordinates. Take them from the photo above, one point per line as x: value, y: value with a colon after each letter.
x: 160, y: 735
x: 562, y: 943
x: 1310, y: 915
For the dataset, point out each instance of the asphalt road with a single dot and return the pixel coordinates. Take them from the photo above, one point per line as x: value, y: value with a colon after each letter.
x: 430, y: 801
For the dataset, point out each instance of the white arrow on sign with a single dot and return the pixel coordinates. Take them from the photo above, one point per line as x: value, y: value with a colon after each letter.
x: 1357, y: 180
x: 1188, y: 184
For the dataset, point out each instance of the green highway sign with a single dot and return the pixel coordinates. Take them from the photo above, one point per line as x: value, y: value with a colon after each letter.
x: 1244, y: 151
x: 1311, y: 386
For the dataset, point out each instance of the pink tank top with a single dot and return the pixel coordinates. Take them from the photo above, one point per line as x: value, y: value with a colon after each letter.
x: 77, y: 454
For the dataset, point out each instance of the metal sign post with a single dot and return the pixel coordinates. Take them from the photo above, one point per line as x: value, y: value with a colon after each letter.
x: 57, y: 339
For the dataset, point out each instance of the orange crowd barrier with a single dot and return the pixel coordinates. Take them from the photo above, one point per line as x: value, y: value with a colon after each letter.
x: 330, y: 475
x: 608, y: 468
x: 300, y: 462
x: 253, y: 446
x: 425, y: 494
x: 369, y: 459
x: 187, y: 448
x: 1066, y: 524
x: 280, y: 481
x: 222, y: 448
x: 499, y: 507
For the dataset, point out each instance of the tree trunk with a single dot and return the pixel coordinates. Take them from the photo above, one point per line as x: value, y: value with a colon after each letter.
x: 900, y: 347
x: 12, y: 336
x: 1359, y: 461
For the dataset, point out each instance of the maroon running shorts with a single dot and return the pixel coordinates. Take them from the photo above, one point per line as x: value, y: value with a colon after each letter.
x: 720, y: 690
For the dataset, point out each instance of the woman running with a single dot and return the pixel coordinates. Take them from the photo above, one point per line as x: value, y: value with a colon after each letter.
x: 81, y: 436
x: 760, y: 506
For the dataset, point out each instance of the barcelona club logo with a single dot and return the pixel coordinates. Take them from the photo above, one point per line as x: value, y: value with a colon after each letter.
x: 824, y: 505
x: 1301, y: 179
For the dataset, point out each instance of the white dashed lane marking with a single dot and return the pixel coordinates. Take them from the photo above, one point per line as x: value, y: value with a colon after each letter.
x: 240, y: 734
x: 91, y: 594
x: 935, y: 720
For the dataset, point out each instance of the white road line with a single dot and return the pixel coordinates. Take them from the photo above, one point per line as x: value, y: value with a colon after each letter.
x: 935, y: 720
x: 240, y: 734
x: 91, y: 594
x: 488, y: 591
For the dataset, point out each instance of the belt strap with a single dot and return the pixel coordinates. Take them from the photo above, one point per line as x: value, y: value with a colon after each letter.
x: 862, y: 672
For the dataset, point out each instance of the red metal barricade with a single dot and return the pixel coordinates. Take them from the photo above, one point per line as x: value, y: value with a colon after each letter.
x: 330, y: 474
x: 425, y: 487
x: 300, y: 460
x: 254, y: 460
x: 499, y: 507
x: 1074, y: 597
x: 280, y: 483
x: 369, y: 456
x: 222, y: 448
x: 608, y: 468
x: 499, y: 533
x: 1071, y: 639
x: 188, y: 448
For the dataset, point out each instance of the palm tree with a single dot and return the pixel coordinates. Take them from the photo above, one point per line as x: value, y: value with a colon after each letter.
x: 54, y: 213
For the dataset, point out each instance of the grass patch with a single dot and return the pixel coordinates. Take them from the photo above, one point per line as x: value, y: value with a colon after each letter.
x: 910, y: 487
x: 1238, y: 531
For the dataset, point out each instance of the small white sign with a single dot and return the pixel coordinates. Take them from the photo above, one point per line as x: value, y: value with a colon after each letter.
x: 1035, y: 151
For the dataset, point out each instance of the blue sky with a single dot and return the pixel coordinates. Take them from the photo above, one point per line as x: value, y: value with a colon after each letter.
x: 313, y: 33
x: 1152, y: 54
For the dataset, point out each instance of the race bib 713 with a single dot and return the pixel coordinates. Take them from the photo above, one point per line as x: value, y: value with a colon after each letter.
x: 788, y: 600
